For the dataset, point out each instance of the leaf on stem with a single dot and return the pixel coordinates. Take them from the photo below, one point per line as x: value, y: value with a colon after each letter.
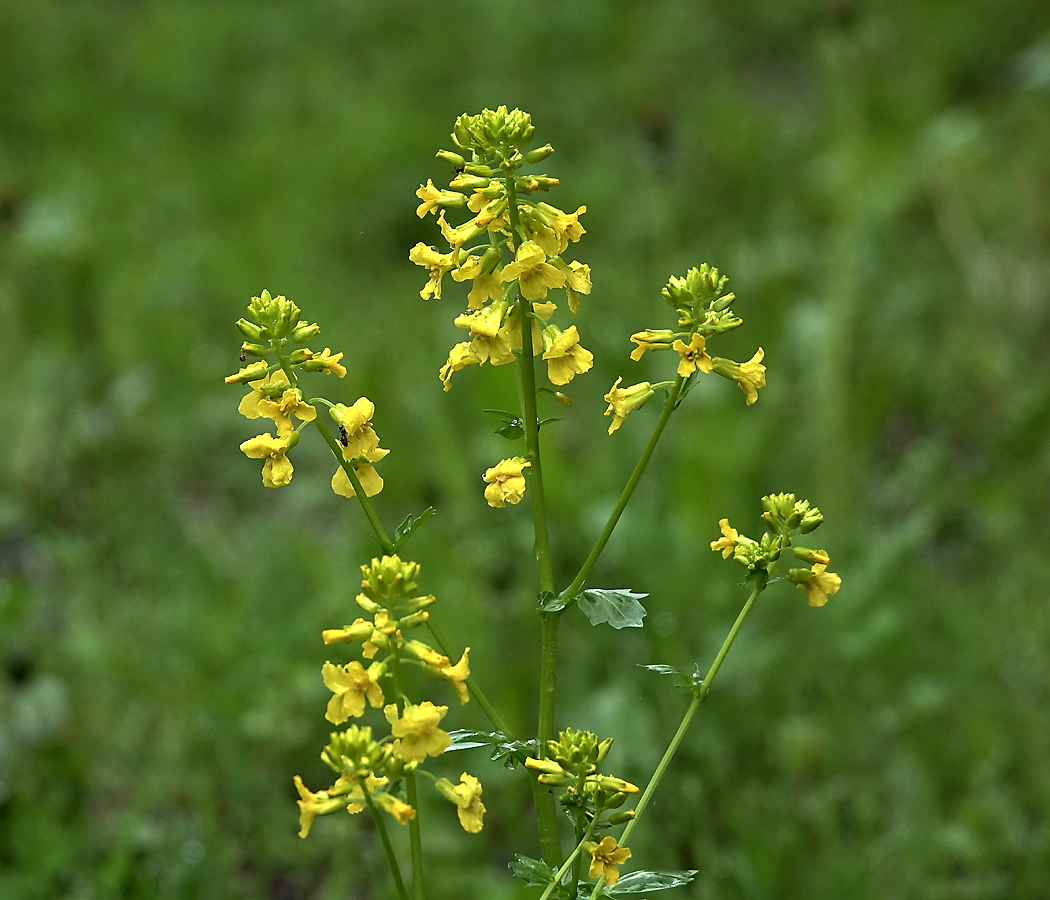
x: 620, y: 609
x: 406, y: 529
x: 534, y: 872
x: 692, y: 679
x: 510, y: 752
x: 551, y: 602
x: 639, y: 882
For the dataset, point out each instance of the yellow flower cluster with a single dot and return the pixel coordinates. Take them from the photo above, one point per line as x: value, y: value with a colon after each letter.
x: 389, y: 594
x: 505, y: 221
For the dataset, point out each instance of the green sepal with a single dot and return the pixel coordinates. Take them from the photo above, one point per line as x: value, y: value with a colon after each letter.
x: 619, y: 608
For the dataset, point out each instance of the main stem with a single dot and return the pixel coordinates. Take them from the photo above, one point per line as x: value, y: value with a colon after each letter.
x: 614, y: 517
x: 546, y: 812
x: 388, y: 848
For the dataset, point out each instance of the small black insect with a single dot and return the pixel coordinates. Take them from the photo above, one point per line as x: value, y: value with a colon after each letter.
x: 244, y: 357
x: 344, y: 438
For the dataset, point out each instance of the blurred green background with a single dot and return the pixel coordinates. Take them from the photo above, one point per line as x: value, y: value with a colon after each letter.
x: 875, y: 179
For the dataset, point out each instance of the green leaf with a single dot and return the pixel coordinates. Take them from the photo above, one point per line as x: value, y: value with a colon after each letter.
x: 405, y: 530
x: 512, y: 430
x: 692, y: 679
x: 551, y: 602
x: 534, y: 872
x: 620, y: 609
x: 639, y: 882
x: 510, y: 752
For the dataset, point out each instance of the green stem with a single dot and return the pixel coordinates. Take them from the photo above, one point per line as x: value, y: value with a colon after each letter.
x: 387, y: 847
x: 556, y: 880
x: 377, y: 526
x: 475, y: 691
x: 625, y: 496
x: 414, y: 837
x: 546, y: 811
x: 698, y: 698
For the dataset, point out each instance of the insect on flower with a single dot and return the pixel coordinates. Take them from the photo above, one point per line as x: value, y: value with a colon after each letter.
x: 344, y: 438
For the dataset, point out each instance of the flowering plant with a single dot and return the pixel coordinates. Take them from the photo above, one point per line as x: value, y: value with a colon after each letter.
x: 511, y: 249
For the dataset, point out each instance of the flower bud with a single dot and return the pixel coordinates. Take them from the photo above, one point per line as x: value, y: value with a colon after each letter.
x: 621, y: 817
x: 539, y: 154
x: 301, y: 355
x: 252, y: 331
x: 254, y: 349
x: 304, y: 332
x: 453, y: 159
x: 254, y: 372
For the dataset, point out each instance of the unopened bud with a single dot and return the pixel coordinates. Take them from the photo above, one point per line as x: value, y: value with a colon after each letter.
x: 254, y: 349
x: 250, y: 330
x: 304, y: 332
x: 539, y: 154
x: 255, y: 372
x: 453, y: 159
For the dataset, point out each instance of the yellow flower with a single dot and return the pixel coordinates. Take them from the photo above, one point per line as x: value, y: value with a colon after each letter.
x: 485, y: 322
x: 577, y: 282
x: 281, y: 411
x: 726, y: 543
x: 750, y: 375
x: 650, y: 340
x: 311, y: 805
x: 566, y: 358
x: 357, y: 795
x: 467, y: 797
x: 458, y: 674
x: 625, y: 400
x: 819, y: 584
x: 534, y: 274
x: 693, y: 356
x: 511, y: 329
x: 277, y: 470
x: 356, y: 424
x: 417, y: 731
x: 326, y: 362
x: 486, y: 286
x: 371, y: 480
x: 506, y: 483
x: 398, y: 809
x: 605, y: 857
x: 566, y: 225
x: 351, y: 685
x: 434, y: 197
x: 249, y: 405
x: 461, y: 356
x: 437, y: 263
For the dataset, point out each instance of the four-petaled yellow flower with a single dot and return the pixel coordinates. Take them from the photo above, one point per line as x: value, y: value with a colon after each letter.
x: 371, y: 480
x: 566, y: 225
x: 357, y: 795
x: 356, y: 422
x: 535, y: 275
x: 506, y: 482
x: 625, y: 400
x: 605, y: 857
x: 437, y: 263
x: 397, y: 808
x: 820, y: 585
x: 432, y: 197
x: 577, y: 281
x: 726, y: 543
x: 487, y: 286
x: 566, y: 358
x: 351, y: 685
x: 693, y: 356
x: 277, y: 470
x: 326, y: 361
x: 417, y: 731
x: 457, y: 675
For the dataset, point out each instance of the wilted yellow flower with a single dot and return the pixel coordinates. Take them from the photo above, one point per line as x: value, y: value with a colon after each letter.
x: 726, y: 543
x: 605, y: 857
x: 461, y: 356
x: 351, y: 685
x: 277, y: 470
x: 467, y: 797
x: 625, y: 400
x: 437, y: 263
x: 750, y: 375
x: 534, y: 274
x: 506, y: 483
x: 416, y: 728
x: 566, y: 358
x: 313, y: 804
x: 693, y: 356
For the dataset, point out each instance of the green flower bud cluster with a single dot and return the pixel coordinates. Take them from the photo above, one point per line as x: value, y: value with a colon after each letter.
x: 494, y: 131
x: 354, y: 753
x: 573, y: 762
x: 578, y: 752
x: 390, y: 579
x: 783, y: 513
x: 701, y: 302
x: 273, y: 319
